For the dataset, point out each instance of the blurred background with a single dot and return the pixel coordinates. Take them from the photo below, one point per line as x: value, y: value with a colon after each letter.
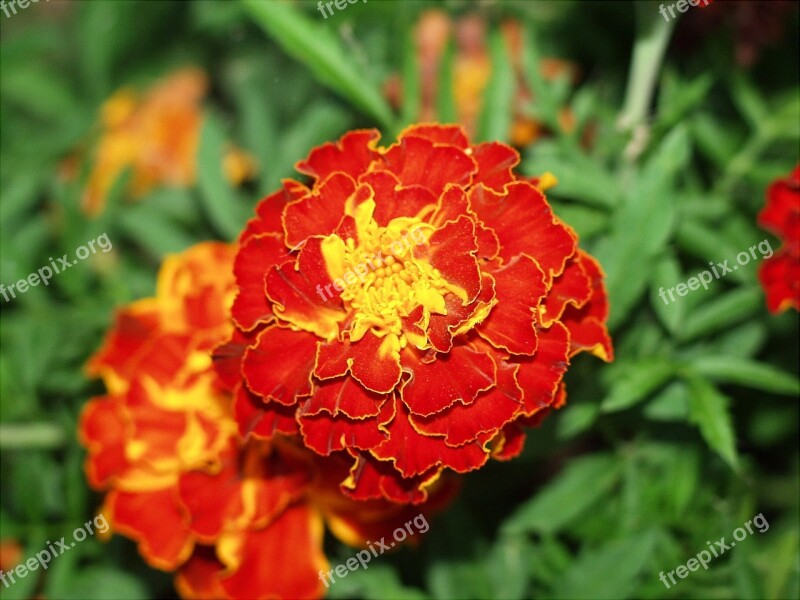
x: 160, y: 124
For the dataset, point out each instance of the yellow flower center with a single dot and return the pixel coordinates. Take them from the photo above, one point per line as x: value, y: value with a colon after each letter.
x: 381, y: 281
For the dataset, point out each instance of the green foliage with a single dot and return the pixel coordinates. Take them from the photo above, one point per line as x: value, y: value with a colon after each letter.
x: 690, y: 433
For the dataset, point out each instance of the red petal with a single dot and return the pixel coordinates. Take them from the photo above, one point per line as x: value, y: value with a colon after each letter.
x: 780, y: 278
x: 103, y: 431
x: 540, y: 375
x: 263, y: 419
x: 254, y: 259
x: 155, y: 521
x: 587, y: 325
x: 510, y: 442
x: 519, y: 287
x: 279, y: 366
x: 324, y: 433
x: 372, y: 479
x: 441, y: 328
x: 525, y: 224
x: 270, y: 209
x: 281, y: 560
x: 417, y: 161
x: 452, y: 249
x: 460, y: 424
x: 352, y: 155
x: 228, y: 358
x: 414, y: 453
x: 375, y: 369
x: 495, y: 164
x: 457, y: 376
x: 393, y: 200
x: 297, y: 292
x: 781, y: 215
x: 199, y: 577
x: 343, y: 396
x: 572, y: 288
x: 319, y: 212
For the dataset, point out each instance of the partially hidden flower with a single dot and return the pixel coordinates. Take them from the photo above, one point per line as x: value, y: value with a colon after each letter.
x: 156, y: 135
x: 780, y: 274
x: 411, y: 310
x: 472, y: 71
x: 233, y: 518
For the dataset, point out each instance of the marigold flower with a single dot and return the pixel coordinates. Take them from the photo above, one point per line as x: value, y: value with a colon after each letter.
x: 156, y: 135
x: 233, y: 518
x: 780, y: 274
x: 413, y: 308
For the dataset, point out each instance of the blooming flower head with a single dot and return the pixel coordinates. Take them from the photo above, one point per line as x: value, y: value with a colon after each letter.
x: 411, y: 309
x: 780, y: 274
x: 156, y: 135
x: 234, y: 518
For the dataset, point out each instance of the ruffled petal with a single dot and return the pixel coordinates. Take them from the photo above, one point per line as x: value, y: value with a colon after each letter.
x: 495, y: 164
x: 433, y: 387
x: 540, y: 375
x: 263, y: 419
x: 519, y: 287
x: 373, y: 479
x: 296, y: 291
x: 279, y: 366
x: 345, y: 396
x: 260, y: 551
x: 251, y: 306
x: 319, y: 212
x: 351, y: 154
x: 418, y: 161
x: 414, y: 453
x: 525, y: 224
x: 373, y: 361
x: 155, y: 521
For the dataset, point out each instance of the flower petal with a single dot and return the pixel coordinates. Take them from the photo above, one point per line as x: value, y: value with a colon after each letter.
x: 370, y: 360
x: 519, y: 287
x: 524, y: 224
x: 297, y: 293
x: 352, y: 155
x: 418, y: 161
x: 319, y: 212
x: 415, y: 453
x: 262, y: 419
x: 278, y: 367
x: 495, y: 164
x: 540, y: 375
x: 343, y: 395
x: 433, y: 386
x: 251, y: 306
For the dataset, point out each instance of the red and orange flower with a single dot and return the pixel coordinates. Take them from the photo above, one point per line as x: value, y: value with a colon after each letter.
x: 235, y: 518
x: 780, y: 274
x: 412, y: 309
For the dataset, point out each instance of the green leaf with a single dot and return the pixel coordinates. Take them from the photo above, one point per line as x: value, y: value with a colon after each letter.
x: 99, y: 583
x: 611, y: 571
x: 583, y: 483
x: 667, y: 273
x: 671, y: 404
x: 220, y: 201
x: 721, y: 313
x: 636, y: 382
x: 317, y: 48
x: 742, y: 371
x: 495, y: 118
x: 709, y: 411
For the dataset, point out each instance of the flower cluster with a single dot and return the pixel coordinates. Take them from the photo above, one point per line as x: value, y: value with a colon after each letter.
x: 235, y: 518
x: 435, y: 360
x: 780, y: 275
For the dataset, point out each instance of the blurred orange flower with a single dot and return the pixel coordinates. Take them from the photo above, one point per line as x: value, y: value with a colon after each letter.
x: 235, y: 518
x: 472, y: 71
x: 431, y: 310
x: 780, y: 274
x: 156, y: 135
